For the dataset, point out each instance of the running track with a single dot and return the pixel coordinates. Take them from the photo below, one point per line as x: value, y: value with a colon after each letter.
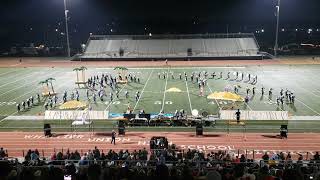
x: 16, y: 142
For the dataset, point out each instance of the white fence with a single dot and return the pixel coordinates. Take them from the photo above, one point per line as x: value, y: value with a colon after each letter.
x: 73, y: 115
x: 254, y: 115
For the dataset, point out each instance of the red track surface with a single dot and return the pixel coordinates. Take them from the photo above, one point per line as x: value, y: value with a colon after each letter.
x: 16, y: 142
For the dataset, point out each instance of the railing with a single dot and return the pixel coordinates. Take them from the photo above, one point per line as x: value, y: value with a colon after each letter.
x: 192, y: 164
x: 266, y: 54
x: 172, y: 36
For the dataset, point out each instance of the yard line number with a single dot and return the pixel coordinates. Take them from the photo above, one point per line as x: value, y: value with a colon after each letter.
x: 166, y: 102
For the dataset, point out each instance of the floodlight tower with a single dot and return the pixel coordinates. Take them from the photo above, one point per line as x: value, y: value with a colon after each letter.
x: 67, y: 28
x: 277, y: 28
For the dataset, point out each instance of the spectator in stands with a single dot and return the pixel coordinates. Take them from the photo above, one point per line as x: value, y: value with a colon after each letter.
x: 281, y: 156
x: 237, y: 160
x: 243, y: 159
x: 300, y: 159
x: 53, y: 157
x: 2, y: 153
x: 27, y: 156
x: 316, y: 157
x: 265, y: 157
x: 60, y: 156
x: 34, y: 155
x: 248, y: 174
x: 289, y: 158
x: 213, y: 175
x: 190, y: 165
x: 96, y: 153
x: 83, y: 160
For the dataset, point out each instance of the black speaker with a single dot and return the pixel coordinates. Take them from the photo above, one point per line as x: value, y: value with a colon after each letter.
x: 129, y: 116
x: 147, y: 116
x: 121, y: 129
x: 189, y: 51
x: 284, y: 131
x: 205, y: 114
x: 47, y: 130
x: 121, y: 52
x: 199, y: 130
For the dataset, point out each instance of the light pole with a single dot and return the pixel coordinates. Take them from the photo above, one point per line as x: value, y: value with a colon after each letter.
x: 277, y: 28
x: 67, y: 28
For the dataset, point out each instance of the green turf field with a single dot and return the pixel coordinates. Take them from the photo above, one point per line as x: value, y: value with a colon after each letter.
x: 18, y: 84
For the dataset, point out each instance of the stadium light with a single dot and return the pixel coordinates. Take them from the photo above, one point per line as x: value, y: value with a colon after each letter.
x: 67, y: 29
x: 277, y: 28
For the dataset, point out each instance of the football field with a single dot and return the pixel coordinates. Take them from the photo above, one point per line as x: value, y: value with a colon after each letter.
x: 169, y: 94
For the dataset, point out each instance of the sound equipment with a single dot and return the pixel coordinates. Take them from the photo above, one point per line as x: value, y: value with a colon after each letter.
x: 199, y: 130
x: 204, y: 113
x: 189, y: 52
x: 121, y: 52
x: 284, y: 131
x: 147, y: 116
x: 121, y: 128
x: 129, y: 116
x: 47, y: 130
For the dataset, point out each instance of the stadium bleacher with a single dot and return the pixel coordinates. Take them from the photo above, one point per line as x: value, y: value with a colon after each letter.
x: 229, y: 46
x: 159, y: 164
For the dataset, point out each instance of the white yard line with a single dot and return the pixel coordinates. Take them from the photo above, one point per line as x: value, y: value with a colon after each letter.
x: 8, y: 72
x: 37, y: 79
x: 25, y: 77
x: 308, y: 106
x: 300, y: 100
x: 311, y: 82
x: 273, y: 104
x: 212, y: 92
x: 135, y: 106
x: 165, y: 89
x: 189, y: 97
x: 265, y: 96
x: 112, y: 101
x: 60, y: 86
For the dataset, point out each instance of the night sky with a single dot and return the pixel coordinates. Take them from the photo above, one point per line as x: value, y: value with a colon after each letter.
x: 37, y: 20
